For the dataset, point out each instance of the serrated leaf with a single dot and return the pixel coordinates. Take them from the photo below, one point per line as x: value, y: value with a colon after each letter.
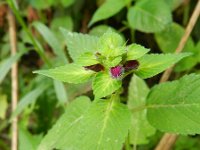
x: 135, y: 51
x: 104, y: 126
x: 140, y: 128
x: 177, y: 105
x: 104, y: 85
x: 50, y: 38
x: 107, y: 10
x: 168, y: 41
x: 100, y: 30
x: 71, y: 73
x: 149, y: 16
x: 67, y: 125
x: 78, y: 43
x: 111, y: 44
x: 87, y: 59
x: 153, y: 64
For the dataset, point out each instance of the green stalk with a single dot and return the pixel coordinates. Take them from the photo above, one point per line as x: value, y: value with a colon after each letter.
x: 22, y: 23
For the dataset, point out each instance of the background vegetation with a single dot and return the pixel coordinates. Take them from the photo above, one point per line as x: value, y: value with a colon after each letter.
x: 155, y: 24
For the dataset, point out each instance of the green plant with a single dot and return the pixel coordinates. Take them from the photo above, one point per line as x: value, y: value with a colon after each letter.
x: 106, y: 61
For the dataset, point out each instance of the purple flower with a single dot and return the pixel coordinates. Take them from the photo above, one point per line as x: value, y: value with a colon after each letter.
x: 116, y: 71
x: 130, y: 65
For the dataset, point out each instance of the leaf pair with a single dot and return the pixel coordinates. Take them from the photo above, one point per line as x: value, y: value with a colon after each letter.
x: 106, y: 52
x: 89, y: 126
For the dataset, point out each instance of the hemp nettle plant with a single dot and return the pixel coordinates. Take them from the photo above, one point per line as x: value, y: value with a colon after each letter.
x: 107, y: 122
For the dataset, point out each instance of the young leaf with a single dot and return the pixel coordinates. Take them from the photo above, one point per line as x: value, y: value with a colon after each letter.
x: 149, y: 16
x: 175, y: 106
x: 51, y: 40
x: 87, y: 59
x: 104, y: 85
x: 153, y: 64
x: 71, y: 73
x: 111, y: 44
x: 107, y: 10
x: 140, y: 128
x: 67, y: 126
x: 78, y: 43
x: 135, y: 51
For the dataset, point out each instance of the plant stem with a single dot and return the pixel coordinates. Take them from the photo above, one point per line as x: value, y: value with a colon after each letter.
x: 14, y: 77
x: 127, y: 144
x: 22, y: 23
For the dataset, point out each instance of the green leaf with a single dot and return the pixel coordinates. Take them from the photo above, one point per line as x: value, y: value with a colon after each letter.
x: 111, y: 44
x: 67, y: 3
x: 6, y: 65
x: 168, y: 41
x: 153, y: 64
x: 3, y: 106
x: 149, y: 16
x: 67, y: 126
x: 28, y: 99
x: 60, y: 92
x: 100, y: 30
x: 135, y: 51
x: 104, y: 85
x: 174, y: 3
x: 107, y: 10
x: 51, y: 40
x: 87, y: 59
x: 38, y: 4
x: 71, y: 73
x: 27, y: 141
x: 104, y: 126
x: 177, y: 105
x: 78, y: 43
x: 140, y: 128
x: 62, y: 21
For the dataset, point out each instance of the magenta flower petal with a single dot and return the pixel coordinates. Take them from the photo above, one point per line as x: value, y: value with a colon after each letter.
x: 131, y: 65
x: 116, y: 71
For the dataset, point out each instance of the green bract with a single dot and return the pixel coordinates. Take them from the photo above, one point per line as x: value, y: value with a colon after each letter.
x: 107, y: 60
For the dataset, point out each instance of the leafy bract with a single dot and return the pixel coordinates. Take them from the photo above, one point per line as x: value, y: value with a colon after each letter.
x: 78, y: 43
x: 104, y: 85
x: 135, y: 51
x: 71, y: 73
x: 111, y: 44
x: 152, y: 64
x: 87, y: 59
x: 149, y: 15
x: 140, y: 128
x: 175, y: 106
x: 108, y: 9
